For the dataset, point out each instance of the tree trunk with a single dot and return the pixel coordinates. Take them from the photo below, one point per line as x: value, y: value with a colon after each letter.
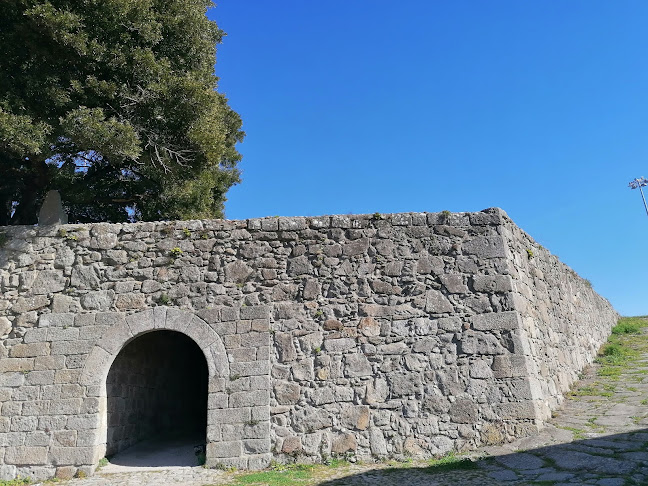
x: 34, y: 185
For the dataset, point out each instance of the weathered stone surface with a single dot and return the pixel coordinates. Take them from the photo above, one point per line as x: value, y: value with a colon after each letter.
x: 463, y: 411
x: 496, y: 321
x: 480, y: 343
x: 509, y: 366
x: 237, y: 272
x: 285, y: 346
x: 332, y: 325
x: 287, y: 393
x: 368, y: 326
x: 311, y: 419
x: 454, y: 284
x: 404, y: 334
x: 291, y: 445
x: 299, y: 266
x: 150, y: 286
x: 480, y: 370
x: 485, y: 247
x: 378, y: 442
x: 339, y: 345
x: 48, y: 281
x: 344, y: 443
x: 437, y: 303
x: 85, y: 277
x: 65, y: 472
x: 5, y: 327
x: 62, y: 303
x: 100, y: 300
x: 303, y: 370
x: 451, y: 324
x: 52, y: 212
x: 492, y: 283
x: 357, y: 365
x: 130, y: 301
x: 30, y: 303
x: 26, y: 455
x: 355, y: 417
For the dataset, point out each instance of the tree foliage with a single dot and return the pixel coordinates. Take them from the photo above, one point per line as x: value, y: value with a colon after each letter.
x: 113, y: 103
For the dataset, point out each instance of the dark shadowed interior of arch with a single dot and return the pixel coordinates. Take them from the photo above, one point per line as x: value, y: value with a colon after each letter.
x: 156, y: 392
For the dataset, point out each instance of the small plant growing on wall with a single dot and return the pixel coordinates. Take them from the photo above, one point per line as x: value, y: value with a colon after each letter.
x: 164, y: 299
x: 175, y: 252
x: 530, y: 254
x: 444, y: 216
x: 187, y: 232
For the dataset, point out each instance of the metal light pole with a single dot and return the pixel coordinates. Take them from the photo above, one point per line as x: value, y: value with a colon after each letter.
x: 639, y: 183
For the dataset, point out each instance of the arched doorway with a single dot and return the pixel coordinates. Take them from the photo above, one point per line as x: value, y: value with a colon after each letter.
x: 156, y: 392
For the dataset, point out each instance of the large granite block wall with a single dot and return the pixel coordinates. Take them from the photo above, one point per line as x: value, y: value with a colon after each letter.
x: 364, y: 336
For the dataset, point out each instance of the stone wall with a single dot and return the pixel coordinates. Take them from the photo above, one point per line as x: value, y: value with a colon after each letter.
x: 362, y: 336
x: 563, y: 327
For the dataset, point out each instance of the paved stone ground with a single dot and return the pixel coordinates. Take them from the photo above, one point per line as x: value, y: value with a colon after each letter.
x: 600, y: 437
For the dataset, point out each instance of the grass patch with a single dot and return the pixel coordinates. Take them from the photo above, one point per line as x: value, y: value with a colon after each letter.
x: 336, y: 463
x: 578, y: 433
x: 15, y: 482
x: 612, y: 371
x: 629, y: 325
x: 307, y: 474
x: 616, y: 353
x: 624, y: 345
x: 585, y: 391
x: 275, y: 478
x: 280, y: 475
x: 451, y: 462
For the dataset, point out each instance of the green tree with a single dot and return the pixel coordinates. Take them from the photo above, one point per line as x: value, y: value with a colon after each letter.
x: 113, y: 103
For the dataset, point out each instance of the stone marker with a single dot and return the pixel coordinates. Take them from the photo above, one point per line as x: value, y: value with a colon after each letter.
x: 52, y: 211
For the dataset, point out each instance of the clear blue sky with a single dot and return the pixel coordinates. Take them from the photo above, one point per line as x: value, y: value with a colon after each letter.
x: 363, y: 106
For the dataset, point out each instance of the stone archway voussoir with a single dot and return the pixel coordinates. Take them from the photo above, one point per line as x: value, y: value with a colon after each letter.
x: 217, y: 360
x: 96, y: 366
x: 141, y: 322
x: 117, y: 335
x: 201, y: 332
x: 176, y: 320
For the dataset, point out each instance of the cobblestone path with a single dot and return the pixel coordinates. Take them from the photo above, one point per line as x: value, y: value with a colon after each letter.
x: 599, y: 437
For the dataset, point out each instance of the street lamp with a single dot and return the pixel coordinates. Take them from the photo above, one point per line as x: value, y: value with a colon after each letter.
x: 639, y: 183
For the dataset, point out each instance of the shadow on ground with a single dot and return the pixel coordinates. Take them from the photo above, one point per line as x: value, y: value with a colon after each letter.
x: 159, y: 452
x: 612, y: 460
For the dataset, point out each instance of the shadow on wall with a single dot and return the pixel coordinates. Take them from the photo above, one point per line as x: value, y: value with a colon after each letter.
x: 620, y: 459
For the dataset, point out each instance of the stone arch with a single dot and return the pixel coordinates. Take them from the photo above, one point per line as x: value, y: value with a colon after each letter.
x: 125, y: 330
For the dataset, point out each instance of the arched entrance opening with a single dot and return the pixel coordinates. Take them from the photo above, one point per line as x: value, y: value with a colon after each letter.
x: 156, y: 396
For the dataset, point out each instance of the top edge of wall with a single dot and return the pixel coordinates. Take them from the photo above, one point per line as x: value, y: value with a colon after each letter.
x: 490, y: 216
